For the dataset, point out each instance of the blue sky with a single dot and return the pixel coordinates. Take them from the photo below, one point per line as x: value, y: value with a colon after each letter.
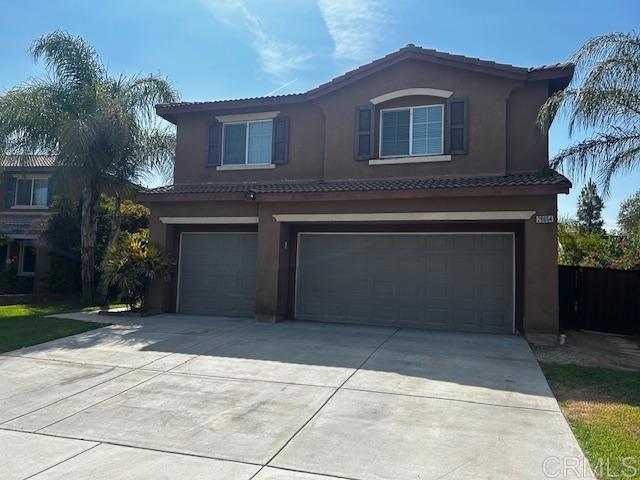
x: 214, y: 49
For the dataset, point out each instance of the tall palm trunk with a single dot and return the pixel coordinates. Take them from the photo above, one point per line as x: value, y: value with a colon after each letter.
x: 114, y: 235
x: 88, y: 231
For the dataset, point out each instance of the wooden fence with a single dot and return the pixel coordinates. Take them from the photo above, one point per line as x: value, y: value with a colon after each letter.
x: 600, y: 299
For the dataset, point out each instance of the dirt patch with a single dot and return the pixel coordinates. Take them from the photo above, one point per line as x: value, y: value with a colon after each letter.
x: 593, y: 350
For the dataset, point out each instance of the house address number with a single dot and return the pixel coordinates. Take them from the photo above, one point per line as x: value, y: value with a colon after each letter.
x: 545, y: 218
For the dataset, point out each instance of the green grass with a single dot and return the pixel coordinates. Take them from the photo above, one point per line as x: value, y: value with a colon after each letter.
x: 603, y: 408
x: 26, y: 325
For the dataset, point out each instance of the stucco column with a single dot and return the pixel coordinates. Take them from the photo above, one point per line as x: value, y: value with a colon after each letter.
x: 541, y: 280
x: 271, y: 268
x: 160, y: 293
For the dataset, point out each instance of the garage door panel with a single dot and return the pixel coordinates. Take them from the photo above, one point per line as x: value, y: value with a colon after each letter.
x: 444, y: 281
x: 218, y: 274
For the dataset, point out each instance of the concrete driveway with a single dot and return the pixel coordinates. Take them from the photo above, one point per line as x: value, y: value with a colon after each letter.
x: 212, y: 398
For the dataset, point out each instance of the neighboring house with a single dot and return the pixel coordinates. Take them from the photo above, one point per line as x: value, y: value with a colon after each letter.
x: 26, y: 194
x: 412, y: 191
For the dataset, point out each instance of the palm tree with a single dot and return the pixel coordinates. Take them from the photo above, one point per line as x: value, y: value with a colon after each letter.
x: 101, y: 129
x: 604, y: 98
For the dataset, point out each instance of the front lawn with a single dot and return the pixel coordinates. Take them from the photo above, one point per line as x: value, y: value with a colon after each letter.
x: 602, y: 406
x: 25, y: 325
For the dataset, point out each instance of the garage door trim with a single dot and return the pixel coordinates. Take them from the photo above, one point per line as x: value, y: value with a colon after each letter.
x: 513, y: 259
x: 180, y: 256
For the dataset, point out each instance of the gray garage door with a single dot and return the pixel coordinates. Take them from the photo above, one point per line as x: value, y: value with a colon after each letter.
x: 218, y: 274
x: 460, y: 282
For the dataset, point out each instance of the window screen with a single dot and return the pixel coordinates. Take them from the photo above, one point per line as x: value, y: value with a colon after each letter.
x: 23, y: 195
x: 260, y: 142
x: 412, y: 131
x: 235, y: 143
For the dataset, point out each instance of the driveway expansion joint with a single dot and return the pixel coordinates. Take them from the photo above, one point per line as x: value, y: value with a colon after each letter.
x: 331, y: 396
x: 63, y: 461
x: 447, y: 399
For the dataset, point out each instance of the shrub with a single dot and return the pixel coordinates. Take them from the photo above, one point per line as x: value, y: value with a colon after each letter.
x: 11, y: 283
x: 600, y: 250
x: 132, y: 264
x: 63, y: 238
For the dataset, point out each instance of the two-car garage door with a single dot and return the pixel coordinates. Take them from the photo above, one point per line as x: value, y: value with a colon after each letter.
x: 460, y: 282
x: 447, y: 281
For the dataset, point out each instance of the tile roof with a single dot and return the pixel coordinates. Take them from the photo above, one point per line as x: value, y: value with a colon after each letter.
x: 546, y: 177
x: 410, y: 50
x: 284, y: 97
x: 27, y: 161
x: 18, y: 226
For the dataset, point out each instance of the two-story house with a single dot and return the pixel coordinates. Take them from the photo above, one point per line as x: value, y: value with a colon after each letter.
x: 412, y: 191
x: 27, y: 195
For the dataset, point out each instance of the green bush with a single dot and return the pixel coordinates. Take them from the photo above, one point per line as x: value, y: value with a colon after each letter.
x: 600, y: 250
x: 131, y: 266
x: 11, y: 283
x: 63, y: 238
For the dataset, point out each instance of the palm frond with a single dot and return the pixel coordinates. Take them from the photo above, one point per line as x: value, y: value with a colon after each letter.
x: 605, y: 98
x: 156, y: 155
x: 72, y: 59
x: 30, y: 117
x: 143, y: 93
x: 601, y: 156
x: 591, y: 108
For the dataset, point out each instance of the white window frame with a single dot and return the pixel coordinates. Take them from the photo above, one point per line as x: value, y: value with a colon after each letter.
x: 411, y: 154
x: 246, y: 143
x: 33, y: 178
x: 21, y: 271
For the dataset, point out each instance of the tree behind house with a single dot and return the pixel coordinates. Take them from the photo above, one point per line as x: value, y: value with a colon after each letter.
x: 629, y: 214
x: 590, y: 207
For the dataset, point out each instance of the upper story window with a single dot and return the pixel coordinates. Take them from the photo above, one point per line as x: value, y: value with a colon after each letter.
x: 247, y: 143
x: 412, y: 131
x: 31, y: 192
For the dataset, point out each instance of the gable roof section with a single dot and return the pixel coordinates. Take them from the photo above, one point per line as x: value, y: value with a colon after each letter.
x: 27, y: 162
x: 559, y: 71
x: 564, y: 70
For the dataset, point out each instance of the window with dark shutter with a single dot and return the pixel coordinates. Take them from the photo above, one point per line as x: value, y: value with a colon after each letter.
x: 364, y: 132
x: 458, y: 129
x: 10, y: 190
x: 280, y: 140
x: 214, y: 156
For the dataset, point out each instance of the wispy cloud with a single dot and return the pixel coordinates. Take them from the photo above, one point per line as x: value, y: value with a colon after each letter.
x: 354, y: 25
x: 277, y: 57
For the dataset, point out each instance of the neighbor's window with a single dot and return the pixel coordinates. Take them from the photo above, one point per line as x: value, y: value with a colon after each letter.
x: 411, y: 131
x: 247, y: 142
x: 31, y: 192
x: 28, y: 260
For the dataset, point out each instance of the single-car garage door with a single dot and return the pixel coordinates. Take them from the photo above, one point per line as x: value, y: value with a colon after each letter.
x: 217, y: 274
x: 459, y: 282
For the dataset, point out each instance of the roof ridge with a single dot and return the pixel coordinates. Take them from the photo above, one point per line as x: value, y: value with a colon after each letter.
x: 410, y: 48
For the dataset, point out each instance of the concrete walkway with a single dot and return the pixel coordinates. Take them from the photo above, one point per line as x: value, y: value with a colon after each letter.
x: 217, y: 398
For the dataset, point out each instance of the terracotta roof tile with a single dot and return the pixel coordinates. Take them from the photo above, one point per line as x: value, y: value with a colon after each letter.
x: 27, y: 161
